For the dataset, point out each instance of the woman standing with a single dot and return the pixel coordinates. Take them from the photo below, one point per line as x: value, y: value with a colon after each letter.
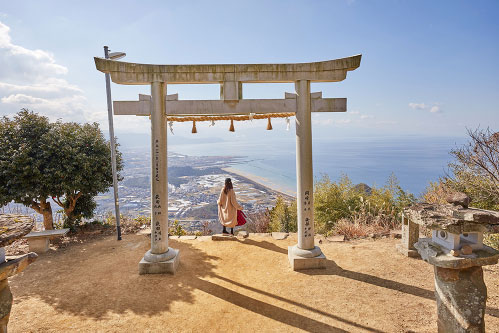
x: 228, y: 207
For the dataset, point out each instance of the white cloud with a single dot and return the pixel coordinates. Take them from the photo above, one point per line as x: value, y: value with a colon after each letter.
x: 418, y: 106
x: 33, y: 79
x: 435, y: 108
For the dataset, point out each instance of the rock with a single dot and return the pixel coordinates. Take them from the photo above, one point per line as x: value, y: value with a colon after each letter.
x: 452, y: 218
x: 338, y: 238
x: 242, y: 233
x: 455, y: 253
x: 459, y: 198
x: 280, y: 235
x: 395, y: 233
x: 466, y: 250
x: 13, y: 227
x: 222, y: 237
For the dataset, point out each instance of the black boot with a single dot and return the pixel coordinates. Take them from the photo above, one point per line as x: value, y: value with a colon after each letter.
x: 232, y: 231
x: 224, y: 231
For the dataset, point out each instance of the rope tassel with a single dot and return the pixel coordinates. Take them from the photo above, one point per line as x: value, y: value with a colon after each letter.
x: 231, y: 128
x: 194, y: 130
x: 269, y: 125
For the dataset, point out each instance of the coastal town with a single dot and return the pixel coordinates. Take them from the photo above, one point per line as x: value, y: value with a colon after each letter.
x: 194, y: 184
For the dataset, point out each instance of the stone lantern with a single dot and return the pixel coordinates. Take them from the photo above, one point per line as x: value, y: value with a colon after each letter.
x: 12, y: 227
x: 457, y: 252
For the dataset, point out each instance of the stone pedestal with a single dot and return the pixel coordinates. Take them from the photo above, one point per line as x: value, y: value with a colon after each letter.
x: 6, y: 300
x: 460, y: 291
x: 461, y: 296
x: 12, y: 266
x: 166, y: 264
x: 38, y: 245
x: 301, y: 263
x: 410, y: 235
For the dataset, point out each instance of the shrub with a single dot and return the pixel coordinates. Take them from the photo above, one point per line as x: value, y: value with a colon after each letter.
x: 283, y: 216
x: 360, y: 208
x: 177, y: 229
x: 258, y: 221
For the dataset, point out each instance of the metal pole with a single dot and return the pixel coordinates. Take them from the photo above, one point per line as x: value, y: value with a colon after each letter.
x: 113, y: 147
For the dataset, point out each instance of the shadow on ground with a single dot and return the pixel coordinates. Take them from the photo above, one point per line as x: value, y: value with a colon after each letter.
x: 333, y: 269
x: 109, y: 281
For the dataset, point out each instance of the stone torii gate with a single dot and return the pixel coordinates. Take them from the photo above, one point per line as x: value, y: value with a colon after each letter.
x: 163, y: 259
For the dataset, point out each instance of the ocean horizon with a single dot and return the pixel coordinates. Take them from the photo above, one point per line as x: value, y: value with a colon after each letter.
x: 415, y: 161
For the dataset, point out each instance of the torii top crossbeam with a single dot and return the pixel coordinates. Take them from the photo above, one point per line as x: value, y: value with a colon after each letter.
x: 323, y: 71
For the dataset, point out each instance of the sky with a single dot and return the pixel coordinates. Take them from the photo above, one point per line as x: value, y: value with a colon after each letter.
x: 429, y: 68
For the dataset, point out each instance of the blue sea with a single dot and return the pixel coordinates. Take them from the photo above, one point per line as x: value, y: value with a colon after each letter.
x: 415, y: 161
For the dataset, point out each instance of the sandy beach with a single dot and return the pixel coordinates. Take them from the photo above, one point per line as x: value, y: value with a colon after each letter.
x: 262, y: 181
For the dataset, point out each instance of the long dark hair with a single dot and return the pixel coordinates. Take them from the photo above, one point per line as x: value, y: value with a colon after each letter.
x: 228, y: 185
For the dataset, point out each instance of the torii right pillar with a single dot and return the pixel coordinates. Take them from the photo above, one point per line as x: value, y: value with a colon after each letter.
x: 304, y: 255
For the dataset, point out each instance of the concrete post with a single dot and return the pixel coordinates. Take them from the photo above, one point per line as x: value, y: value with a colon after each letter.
x: 305, y: 254
x: 160, y: 258
x: 159, y: 170
x: 410, y: 235
x: 304, y: 167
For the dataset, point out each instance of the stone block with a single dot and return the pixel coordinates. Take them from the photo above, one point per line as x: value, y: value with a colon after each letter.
x: 412, y: 253
x: 280, y: 235
x: 339, y: 238
x: 242, y: 233
x: 38, y: 245
x: 161, y: 267
x: 299, y: 263
x: 220, y: 237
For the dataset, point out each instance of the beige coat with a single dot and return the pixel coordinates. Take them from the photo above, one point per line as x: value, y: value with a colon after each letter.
x: 227, y: 208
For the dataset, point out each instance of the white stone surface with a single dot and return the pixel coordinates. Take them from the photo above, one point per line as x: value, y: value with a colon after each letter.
x: 453, y: 241
x: 299, y: 263
x: 38, y: 244
x: 132, y: 73
x: 304, y: 167
x: 161, y: 267
x: 243, y: 106
x: 47, y: 233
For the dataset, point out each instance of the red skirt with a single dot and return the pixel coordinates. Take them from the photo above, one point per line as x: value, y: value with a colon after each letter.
x: 241, y: 218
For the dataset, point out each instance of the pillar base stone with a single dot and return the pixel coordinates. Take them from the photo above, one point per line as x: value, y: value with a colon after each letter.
x: 160, y: 267
x: 412, y: 253
x: 38, y: 245
x: 300, y: 263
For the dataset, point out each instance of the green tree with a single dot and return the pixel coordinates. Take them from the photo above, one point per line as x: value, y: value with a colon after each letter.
x: 68, y: 162
x: 84, y: 167
x: 26, y: 171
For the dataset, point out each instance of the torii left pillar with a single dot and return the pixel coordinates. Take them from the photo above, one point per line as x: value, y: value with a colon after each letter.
x: 160, y: 258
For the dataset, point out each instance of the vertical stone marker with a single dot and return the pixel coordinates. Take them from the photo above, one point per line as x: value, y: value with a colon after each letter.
x: 12, y: 227
x: 160, y: 258
x: 305, y: 254
x: 457, y: 253
x: 410, y: 235
x: 230, y: 77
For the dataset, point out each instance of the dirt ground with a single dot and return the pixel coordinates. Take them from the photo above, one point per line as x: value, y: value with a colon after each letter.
x: 230, y: 286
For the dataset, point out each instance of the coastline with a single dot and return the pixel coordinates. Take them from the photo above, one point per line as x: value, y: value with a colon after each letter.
x: 261, y: 181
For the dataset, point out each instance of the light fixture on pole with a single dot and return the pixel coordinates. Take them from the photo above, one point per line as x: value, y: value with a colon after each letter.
x: 113, y: 56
